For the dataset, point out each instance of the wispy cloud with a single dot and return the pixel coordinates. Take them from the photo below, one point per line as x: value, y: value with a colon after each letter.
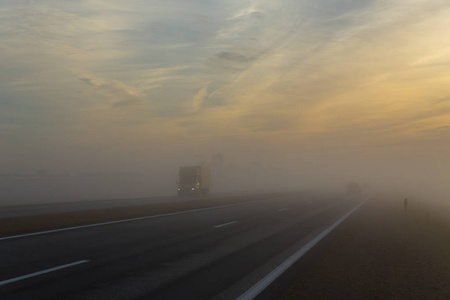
x: 119, y: 93
x: 199, y: 99
x: 346, y: 72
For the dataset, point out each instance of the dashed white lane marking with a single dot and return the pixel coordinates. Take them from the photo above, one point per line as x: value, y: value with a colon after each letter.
x: 283, y: 209
x: 136, y: 219
x: 42, y: 272
x: 269, y: 278
x: 226, y: 224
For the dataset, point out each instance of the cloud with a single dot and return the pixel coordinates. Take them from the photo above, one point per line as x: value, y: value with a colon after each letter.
x: 234, y: 57
x: 443, y: 100
x: 277, y: 74
x: 233, y: 61
x: 199, y: 98
x: 247, y: 12
x: 121, y: 94
x: 332, y: 73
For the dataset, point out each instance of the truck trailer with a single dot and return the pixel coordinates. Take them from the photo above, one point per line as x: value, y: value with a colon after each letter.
x: 193, y: 180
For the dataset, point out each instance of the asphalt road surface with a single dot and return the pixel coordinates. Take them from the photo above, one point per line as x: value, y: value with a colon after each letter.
x: 206, y: 254
x: 54, y: 208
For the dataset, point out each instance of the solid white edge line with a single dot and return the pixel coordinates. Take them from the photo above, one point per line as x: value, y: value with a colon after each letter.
x: 256, y: 289
x: 41, y: 272
x: 226, y: 224
x: 134, y: 219
x: 283, y: 209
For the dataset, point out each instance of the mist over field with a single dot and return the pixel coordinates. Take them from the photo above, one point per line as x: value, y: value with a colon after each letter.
x: 106, y: 99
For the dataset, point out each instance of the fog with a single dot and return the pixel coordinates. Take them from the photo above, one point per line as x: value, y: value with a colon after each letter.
x: 106, y: 100
x: 424, y: 179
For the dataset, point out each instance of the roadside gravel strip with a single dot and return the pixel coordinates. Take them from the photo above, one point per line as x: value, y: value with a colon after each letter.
x: 31, y: 225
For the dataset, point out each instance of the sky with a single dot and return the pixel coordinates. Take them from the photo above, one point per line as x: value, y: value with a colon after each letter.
x: 133, y: 86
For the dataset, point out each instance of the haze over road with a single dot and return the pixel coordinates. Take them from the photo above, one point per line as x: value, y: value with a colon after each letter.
x: 215, y: 253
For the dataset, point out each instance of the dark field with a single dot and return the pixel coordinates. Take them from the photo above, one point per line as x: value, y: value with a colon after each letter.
x: 383, y: 252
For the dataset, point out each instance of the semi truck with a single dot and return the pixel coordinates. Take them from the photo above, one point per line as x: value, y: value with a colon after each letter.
x: 193, y: 180
x: 354, y: 190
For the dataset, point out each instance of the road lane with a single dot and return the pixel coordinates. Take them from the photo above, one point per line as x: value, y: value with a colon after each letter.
x: 23, y: 277
x: 159, y: 256
x: 226, y: 224
x: 116, y: 238
x: 131, y: 219
x: 53, y: 208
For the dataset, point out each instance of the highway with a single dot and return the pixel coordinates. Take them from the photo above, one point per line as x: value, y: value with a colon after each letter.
x: 54, y: 208
x: 215, y: 253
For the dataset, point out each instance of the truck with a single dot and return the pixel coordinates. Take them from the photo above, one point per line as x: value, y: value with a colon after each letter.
x: 354, y: 190
x: 193, y: 180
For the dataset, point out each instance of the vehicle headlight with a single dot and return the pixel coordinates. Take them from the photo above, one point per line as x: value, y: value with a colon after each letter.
x: 192, y: 188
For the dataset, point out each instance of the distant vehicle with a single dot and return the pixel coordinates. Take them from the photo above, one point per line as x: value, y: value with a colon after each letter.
x: 354, y: 190
x: 193, y: 180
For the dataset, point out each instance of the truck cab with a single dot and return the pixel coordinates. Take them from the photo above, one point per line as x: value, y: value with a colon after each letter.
x: 193, y: 180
